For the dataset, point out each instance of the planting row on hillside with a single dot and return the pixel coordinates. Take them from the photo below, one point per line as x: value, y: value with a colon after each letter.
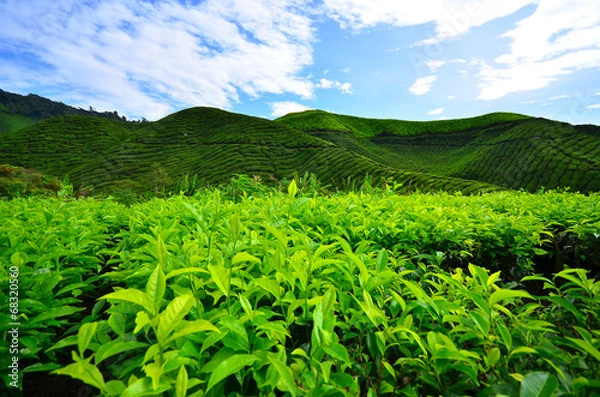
x: 530, y: 155
x: 148, y: 158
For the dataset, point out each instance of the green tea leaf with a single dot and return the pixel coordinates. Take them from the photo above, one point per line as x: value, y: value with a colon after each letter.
x: 155, y: 288
x: 116, y: 321
x: 131, y: 295
x: 68, y: 341
x: 154, y: 371
x: 229, y: 367
x: 84, y: 336
x: 507, y: 294
x: 53, y: 313
x: 504, y: 334
x: 141, y: 320
x: 286, y: 376
x: 186, y: 270
x: 171, y: 317
x: 220, y: 276
x: 586, y: 347
x: 192, y: 328
x: 269, y: 285
x: 85, y: 372
x: 292, y: 189
x: 143, y: 387
x: 181, y: 383
x: 338, y: 352
x: 114, y: 388
x: 244, y: 257
x: 538, y: 384
x: 522, y: 350
x: 115, y: 347
x: 161, y: 252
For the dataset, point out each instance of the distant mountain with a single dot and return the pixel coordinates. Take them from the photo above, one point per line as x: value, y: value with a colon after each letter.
x: 19, y: 111
x: 503, y: 149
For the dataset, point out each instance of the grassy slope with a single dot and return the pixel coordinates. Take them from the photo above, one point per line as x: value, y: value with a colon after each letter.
x: 500, y: 148
x: 318, y: 120
x: 210, y: 143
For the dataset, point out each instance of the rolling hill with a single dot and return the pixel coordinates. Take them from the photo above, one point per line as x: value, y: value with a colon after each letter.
x: 211, y: 143
x: 504, y: 149
x: 485, y: 153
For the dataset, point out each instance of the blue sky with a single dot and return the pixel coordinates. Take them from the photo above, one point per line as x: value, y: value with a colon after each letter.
x: 424, y: 60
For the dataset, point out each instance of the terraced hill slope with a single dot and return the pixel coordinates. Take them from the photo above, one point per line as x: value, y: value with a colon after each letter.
x: 504, y: 149
x: 210, y: 143
x: 19, y: 111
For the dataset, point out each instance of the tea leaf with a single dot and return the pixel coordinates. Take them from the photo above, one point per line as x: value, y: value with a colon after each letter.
x: 244, y: 257
x: 115, y: 347
x: 192, y: 328
x: 155, y: 288
x: 220, y: 276
x: 286, y: 376
x: 85, y: 335
x: 85, y: 372
x: 504, y: 294
x: 171, y: 317
x: 229, y: 367
x: 538, y: 384
x: 131, y: 295
x: 181, y: 383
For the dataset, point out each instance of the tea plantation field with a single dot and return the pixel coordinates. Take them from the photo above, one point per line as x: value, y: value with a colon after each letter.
x: 350, y: 294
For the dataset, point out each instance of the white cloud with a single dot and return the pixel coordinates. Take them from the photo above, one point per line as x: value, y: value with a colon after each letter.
x: 345, y: 70
x: 529, y: 102
x: 451, y: 97
x: 597, y: 93
x: 345, y: 88
x: 554, y: 98
x: 452, y: 18
x: 558, y: 39
x: 497, y: 82
x: 434, y: 65
x: 283, y: 108
x: 147, y: 58
x: 594, y: 106
x: 422, y: 85
x: 325, y: 84
x: 436, y: 111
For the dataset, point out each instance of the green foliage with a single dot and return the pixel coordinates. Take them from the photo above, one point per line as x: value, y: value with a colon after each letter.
x: 210, y: 146
x: 503, y: 149
x: 318, y: 120
x: 202, y: 147
x: 19, y: 182
x: 291, y: 292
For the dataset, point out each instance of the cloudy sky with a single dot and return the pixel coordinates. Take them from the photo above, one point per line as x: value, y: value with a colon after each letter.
x: 415, y: 60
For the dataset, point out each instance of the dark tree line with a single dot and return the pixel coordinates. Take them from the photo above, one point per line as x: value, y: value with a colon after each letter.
x: 37, y: 107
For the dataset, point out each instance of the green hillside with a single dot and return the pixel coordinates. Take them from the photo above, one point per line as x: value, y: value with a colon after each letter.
x: 19, y: 111
x: 210, y: 143
x: 319, y: 120
x: 504, y: 149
